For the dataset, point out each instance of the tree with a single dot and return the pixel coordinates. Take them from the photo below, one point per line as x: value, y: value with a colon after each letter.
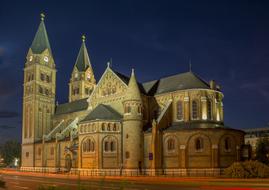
x: 10, y: 150
x: 262, y: 150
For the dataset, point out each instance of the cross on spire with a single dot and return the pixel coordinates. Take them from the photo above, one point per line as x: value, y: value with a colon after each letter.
x: 190, y: 64
x: 42, y: 16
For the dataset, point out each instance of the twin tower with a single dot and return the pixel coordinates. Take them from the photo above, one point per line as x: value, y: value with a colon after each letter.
x: 39, y: 99
x: 40, y: 84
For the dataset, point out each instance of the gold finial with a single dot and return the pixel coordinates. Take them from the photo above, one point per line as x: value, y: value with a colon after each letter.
x: 83, y: 37
x: 42, y: 15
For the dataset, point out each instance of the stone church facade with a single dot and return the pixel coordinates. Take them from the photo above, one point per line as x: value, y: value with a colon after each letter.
x: 173, y: 124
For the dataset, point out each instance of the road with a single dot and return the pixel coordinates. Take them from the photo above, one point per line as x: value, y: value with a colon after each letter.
x: 30, y: 182
x: 16, y: 182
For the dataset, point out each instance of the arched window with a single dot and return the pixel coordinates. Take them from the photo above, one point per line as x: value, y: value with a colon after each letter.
x: 106, y: 146
x: 209, y: 110
x: 199, y: 144
x: 112, y: 146
x: 127, y: 108
x: 92, y: 146
x: 115, y: 127
x: 103, y: 126
x: 88, y: 145
x: 179, y: 110
x: 227, y: 144
x: 194, y: 109
x: 171, y: 144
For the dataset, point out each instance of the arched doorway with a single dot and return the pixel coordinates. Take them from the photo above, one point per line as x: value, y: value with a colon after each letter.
x: 68, y: 163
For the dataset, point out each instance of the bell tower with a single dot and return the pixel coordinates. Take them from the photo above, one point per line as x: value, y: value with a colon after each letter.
x: 38, y: 93
x: 82, y: 81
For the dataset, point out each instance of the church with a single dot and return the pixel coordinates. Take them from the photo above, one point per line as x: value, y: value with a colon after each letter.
x: 119, y: 126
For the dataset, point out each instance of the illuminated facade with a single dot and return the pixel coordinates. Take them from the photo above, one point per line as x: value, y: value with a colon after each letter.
x: 173, y: 124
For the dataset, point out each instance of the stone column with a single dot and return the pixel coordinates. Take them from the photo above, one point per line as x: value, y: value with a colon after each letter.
x: 186, y: 108
x: 203, y: 108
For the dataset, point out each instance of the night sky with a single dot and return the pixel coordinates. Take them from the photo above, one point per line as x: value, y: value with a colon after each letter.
x: 226, y: 41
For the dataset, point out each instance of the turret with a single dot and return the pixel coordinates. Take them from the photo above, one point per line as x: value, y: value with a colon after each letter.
x: 132, y: 126
x: 82, y: 81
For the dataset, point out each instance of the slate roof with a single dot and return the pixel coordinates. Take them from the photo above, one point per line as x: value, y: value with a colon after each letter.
x: 182, y: 81
x: 78, y: 105
x: 41, y: 40
x: 103, y: 112
x: 83, y: 60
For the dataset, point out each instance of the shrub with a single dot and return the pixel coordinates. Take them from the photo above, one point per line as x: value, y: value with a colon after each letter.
x: 248, y: 169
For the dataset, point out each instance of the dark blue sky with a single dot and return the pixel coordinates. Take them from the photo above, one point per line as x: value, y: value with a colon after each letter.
x: 227, y: 41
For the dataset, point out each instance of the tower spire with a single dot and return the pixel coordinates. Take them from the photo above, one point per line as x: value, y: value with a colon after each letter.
x: 83, y: 60
x: 41, y: 40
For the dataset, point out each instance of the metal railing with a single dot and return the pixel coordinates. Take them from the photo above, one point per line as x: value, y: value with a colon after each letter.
x: 208, y: 172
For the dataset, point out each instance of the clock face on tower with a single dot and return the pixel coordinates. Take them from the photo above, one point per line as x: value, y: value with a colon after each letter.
x: 31, y: 58
x: 46, y: 59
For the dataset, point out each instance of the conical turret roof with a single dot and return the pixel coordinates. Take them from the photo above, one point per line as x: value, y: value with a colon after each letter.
x: 133, y: 92
x: 41, y: 40
x: 83, y: 60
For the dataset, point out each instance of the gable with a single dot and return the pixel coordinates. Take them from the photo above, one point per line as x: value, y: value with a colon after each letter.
x: 109, y: 86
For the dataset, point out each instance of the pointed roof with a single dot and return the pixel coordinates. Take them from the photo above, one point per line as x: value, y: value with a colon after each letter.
x: 103, y: 112
x: 83, y: 60
x: 41, y: 40
x: 133, y: 92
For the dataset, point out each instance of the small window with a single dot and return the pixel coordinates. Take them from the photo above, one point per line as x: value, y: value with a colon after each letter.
x: 114, y: 127
x: 27, y: 154
x: 106, y: 146
x: 42, y: 77
x: 194, y: 109
x: 179, y: 110
x: 112, y: 146
x: 209, y: 110
x: 199, y: 144
x: 47, y: 78
x: 92, y: 148
x: 171, y: 144
x: 40, y: 89
x: 127, y: 108
x: 103, y: 126
x: 227, y: 144
x: 46, y: 91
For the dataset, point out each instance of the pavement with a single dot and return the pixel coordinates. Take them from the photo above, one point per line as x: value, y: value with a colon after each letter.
x: 16, y: 180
